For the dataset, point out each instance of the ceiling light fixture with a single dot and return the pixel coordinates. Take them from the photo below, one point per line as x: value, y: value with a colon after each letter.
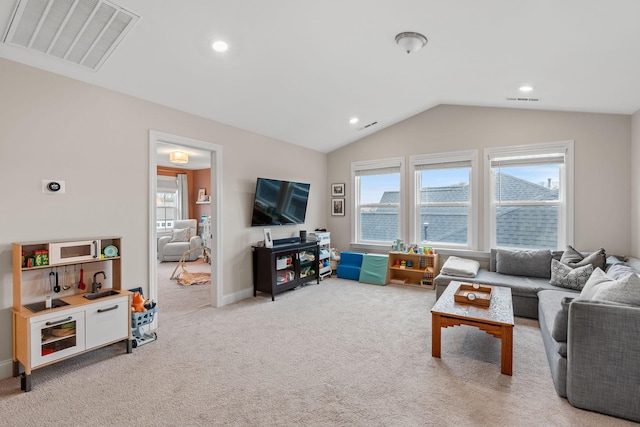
x: 178, y: 157
x: 410, y: 41
x: 526, y: 88
x: 354, y: 120
x: 219, y: 46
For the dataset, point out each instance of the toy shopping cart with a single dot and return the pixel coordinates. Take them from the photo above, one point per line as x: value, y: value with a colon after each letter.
x: 138, y: 320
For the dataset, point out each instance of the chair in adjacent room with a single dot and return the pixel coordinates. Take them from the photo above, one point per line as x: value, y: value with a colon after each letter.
x: 183, y: 238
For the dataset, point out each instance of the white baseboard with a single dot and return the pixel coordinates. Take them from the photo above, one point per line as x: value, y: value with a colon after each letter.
x: 6, y: 369
x: 237, y: 296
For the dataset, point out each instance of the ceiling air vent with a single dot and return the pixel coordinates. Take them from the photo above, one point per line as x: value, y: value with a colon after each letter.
x: 523, y: 99
x: 368, y: 126
x: 83, y: 32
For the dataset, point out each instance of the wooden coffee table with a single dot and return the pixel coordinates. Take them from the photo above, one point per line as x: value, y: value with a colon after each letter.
x: 496, y: 320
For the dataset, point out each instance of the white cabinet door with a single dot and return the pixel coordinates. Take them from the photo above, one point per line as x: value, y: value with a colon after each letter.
x: 107, y: 321
x: 56, y: 335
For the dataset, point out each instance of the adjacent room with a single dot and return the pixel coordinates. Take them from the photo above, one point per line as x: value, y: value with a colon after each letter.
x: 339, y: 213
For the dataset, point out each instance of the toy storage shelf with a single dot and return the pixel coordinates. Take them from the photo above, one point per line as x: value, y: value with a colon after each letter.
x: 421, y: 272
x: 324, y: 241
x: 274, y: 274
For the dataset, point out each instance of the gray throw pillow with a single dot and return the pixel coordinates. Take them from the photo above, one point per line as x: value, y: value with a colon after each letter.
x: 570, y: 255
x: 573, y: 258
x: 625, y: 290
x: 531, y: 263
x: 492, y: 259
x: 619, y: 270
x: 560, y: 325
x: 612, y: 259
x: 633, y: 263
x: 571, y: 278
x: 180, y: 235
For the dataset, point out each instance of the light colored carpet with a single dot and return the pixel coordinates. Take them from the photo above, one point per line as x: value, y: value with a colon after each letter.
x: 341, y: 353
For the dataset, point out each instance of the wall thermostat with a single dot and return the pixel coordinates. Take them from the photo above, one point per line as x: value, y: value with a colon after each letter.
x: 53, y: 186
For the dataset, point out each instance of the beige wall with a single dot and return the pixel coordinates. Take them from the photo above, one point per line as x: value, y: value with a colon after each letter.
x: 602, y: 166
x: 57, y: 128
x: 635, y: 184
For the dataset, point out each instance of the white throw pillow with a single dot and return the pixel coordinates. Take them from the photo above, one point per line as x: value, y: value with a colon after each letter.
x: 180, y: 235
x: 625, y: 290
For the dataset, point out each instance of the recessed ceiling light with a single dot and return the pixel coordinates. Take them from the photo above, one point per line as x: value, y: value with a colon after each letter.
x: 526, y: 88
x: 219, y: 46
x: 353, y: 120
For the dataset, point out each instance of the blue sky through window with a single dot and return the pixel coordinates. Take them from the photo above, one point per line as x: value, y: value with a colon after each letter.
x: 538, y: 174
x: 444, y: 177
x: 373, y: 186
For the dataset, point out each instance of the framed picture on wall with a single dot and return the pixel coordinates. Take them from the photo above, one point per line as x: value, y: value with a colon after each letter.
x: 201, y: 195
x: 337, y: 190
x: 268, y: 240
x: 337, y: 207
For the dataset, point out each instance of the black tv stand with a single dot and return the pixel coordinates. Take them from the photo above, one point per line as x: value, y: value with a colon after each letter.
x: 285, y: 266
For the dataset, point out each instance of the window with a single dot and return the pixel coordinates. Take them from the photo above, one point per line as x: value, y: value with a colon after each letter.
x: 377, y: 201
x: 166, y: 211
x: 166, y: 203
x: 443, y: 212
x: 530, y: 196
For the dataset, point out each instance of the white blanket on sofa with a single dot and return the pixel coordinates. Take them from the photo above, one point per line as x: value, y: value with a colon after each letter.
x: 462, y: 267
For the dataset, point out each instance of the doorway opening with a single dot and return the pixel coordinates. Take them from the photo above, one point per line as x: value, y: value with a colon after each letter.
x: 213, y: 152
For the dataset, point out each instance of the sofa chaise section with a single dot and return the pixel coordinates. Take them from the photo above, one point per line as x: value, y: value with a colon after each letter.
x: 603, y: 354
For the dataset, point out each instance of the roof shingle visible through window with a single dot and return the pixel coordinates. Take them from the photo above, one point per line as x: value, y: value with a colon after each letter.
x: 522, y: 226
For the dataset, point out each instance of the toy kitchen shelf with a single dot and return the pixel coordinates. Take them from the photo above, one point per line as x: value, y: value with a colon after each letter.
x: 72, y: 324
x: 418, y: 270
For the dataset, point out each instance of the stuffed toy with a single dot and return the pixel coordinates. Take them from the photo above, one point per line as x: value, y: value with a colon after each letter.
x: 138, y: 303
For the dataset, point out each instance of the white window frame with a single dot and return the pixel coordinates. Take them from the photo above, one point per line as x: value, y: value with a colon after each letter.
x: 566, y: 193
x: 445, y: 159
x: 371, y: 165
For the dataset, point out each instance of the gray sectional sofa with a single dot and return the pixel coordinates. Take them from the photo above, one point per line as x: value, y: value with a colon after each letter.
x: 592, y: 345
x: 526, y: 277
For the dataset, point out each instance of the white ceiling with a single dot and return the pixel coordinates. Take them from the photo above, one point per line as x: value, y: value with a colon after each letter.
x: 298, y: 70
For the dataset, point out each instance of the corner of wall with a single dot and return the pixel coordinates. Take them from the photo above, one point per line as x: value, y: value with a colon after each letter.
x: 635, y: 184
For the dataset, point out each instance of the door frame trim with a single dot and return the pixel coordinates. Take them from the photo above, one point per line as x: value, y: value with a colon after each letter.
x: 216, y: 210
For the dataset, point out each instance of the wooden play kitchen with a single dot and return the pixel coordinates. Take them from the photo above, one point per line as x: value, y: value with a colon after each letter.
x: 52, y: 322
x: 495, y: 318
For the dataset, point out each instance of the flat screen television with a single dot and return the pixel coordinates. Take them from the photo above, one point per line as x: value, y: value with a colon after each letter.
x: 279, y: 202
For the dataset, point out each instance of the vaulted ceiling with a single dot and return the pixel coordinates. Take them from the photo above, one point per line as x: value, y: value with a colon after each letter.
x: 299, y: 70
